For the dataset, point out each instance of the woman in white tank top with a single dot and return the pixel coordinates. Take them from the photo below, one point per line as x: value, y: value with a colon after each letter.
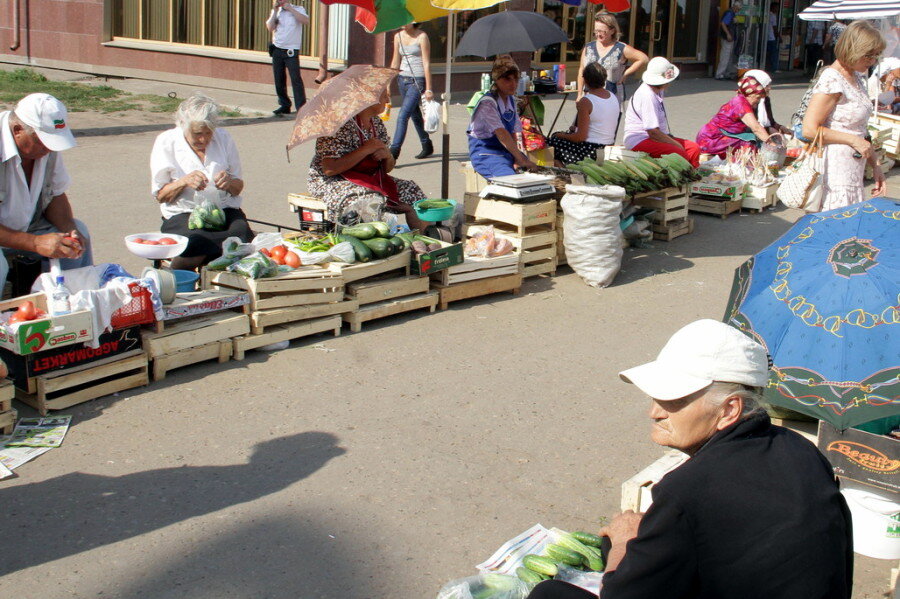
x: 595, y: 122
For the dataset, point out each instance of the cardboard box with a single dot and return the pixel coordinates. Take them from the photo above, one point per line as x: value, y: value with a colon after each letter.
x: 46, y: 333
x: 449, y: 255
x: 718, y: 190
x: 113, y: 343
x: 857, y: 455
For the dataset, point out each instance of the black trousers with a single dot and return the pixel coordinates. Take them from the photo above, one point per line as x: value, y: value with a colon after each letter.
x: 280, y: 62
x: 557, y: 589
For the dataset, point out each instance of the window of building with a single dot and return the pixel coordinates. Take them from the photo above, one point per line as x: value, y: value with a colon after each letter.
x: 235, y: 24
x: 437, y: 33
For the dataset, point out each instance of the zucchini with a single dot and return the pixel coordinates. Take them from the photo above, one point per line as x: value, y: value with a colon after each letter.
x: 381, y: 247
x: 360, y: 231
x: 529, y: 576
x: 363, y: 253
x: 540, y: 564
x: 382, y: 228
x: 398, y: 244
x: 564, y: 555
x: 587, y: 538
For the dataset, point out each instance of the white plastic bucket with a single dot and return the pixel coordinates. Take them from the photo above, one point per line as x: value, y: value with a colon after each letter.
x: 876, y: 523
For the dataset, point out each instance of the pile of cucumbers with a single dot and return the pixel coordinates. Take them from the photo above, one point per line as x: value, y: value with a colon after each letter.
x: 370, y: 241
x: 641, y: 174
x: 576, y: 550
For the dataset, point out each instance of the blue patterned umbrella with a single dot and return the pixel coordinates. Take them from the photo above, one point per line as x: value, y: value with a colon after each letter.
x: 824, y: 300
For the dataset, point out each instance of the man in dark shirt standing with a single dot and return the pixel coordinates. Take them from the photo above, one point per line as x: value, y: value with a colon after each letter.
x: 755, y: 512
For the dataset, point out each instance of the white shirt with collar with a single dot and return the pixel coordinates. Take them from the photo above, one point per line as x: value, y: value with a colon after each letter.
x: 20, y: 201
x: 288, y: 33
x: 172, y: 158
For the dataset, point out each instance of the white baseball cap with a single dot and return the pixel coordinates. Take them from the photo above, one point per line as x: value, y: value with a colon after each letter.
x: 660, y: 71
x: 47, y: 116
x: 698, y: 354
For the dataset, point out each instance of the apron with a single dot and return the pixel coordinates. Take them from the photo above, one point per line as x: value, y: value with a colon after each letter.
x: 489, y: 157
x: 369, y: 173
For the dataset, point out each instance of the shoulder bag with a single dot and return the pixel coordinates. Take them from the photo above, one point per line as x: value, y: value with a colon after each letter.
x: 802, y: 187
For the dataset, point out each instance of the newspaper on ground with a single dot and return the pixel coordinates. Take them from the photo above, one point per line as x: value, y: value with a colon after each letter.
x: 13, y: 457
x: 40, y: 432
x: 4, y: 471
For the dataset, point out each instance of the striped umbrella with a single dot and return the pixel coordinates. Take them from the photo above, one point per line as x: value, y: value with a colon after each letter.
x: 828, y: 10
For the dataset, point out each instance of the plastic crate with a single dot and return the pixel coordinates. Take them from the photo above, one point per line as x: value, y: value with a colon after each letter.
x: 138, y: 311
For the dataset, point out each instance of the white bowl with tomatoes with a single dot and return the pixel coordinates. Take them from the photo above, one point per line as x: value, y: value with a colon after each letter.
x: 156, y: 246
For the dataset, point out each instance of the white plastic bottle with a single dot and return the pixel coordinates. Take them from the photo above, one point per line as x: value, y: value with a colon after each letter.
x: 60, y: 300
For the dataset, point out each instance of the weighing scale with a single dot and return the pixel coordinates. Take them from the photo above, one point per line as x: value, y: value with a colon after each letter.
x: 525, y: 187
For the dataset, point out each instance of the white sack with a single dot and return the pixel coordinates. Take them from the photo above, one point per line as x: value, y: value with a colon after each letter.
x: 592, y: 236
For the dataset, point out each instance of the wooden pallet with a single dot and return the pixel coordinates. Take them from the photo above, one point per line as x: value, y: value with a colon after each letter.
x: 197, y: 332
x: 673, y: 229
x: 285, y: 332
x: 372, y: 291
x: 520, y: 216
x: 474, y: 182
x: 757, y: 199
x: 668, y: 204
x: 358, y: 271
x: 8, y: 422
x: 470, y: 289
x: 216, y: 350
x: 262, y: 320
x: 201, y: 303
x: 722, y: 208
x: 390, y: 307
x: 538, y: 248
x: 66, y: 388
x: 475, y: 268
x: 306, y: 285
x: 539, y: 261
x: 7, y: 393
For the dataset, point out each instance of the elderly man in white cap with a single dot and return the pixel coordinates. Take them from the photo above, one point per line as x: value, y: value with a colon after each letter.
x: 36, y: 220
x: 755, y: 512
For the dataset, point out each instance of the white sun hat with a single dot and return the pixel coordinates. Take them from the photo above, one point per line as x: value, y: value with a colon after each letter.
x: 49, y: 119
x: 659, y: 72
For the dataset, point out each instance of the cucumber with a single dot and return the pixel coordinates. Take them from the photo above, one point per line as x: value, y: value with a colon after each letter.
x: 363, y: 253
x: 587, y: 538
x: 398, y: 244
x: 360, y: 231
x: 529, y: 576
x: 381, y: 247
x: 540, y: 564
x: 564, y: 555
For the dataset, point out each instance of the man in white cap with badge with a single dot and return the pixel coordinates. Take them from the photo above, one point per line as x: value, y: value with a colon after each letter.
x: 36, y: 220
x: 755, y: 512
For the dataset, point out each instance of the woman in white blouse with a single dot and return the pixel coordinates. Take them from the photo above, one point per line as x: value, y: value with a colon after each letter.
x: 198, y: 157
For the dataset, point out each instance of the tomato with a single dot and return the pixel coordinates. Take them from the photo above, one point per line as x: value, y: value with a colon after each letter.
x: 16, y: 317
x: 291, y: 259
x: 278, y: 250
x: 150, y: 242
x: 265, y: 252
x: 279, y: 260
x: 167, y: 241
x: 137, y: 240
x: 27, y: 310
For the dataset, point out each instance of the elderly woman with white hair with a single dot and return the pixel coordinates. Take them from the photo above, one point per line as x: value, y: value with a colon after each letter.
x: 198, y: 156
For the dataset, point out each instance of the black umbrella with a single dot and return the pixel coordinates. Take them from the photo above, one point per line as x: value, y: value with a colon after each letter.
x: 509, y: 31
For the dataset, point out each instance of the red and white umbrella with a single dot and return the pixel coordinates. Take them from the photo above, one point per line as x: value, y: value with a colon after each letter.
x: 828, y: 10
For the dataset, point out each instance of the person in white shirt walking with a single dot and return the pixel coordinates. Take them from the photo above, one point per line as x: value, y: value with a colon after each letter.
x: 36, y: 220
x: 286, y: 23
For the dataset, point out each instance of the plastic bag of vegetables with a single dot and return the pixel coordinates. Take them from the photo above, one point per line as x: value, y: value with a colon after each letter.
x: 206, y: 215
x: 232, y: 251
x: 341, y: 252
x: 255, y: 266
x: 487, y: 585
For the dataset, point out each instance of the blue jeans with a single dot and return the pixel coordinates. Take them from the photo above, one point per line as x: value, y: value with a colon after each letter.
x: 410, y: 108
x: 772, y: 55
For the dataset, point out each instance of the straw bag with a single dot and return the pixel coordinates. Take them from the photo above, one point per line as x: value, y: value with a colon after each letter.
x: 802, y: 187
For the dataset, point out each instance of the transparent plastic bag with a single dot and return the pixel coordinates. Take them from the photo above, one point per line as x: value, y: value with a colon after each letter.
x: 206, y: 215
x: 255, y: 266
x: 587, y: 580
x: 431, y: 112
x: 487, y: 585
x: 481, y: 244
x: 266, y: 241
x: 233, y: 249
x: 342, y: 252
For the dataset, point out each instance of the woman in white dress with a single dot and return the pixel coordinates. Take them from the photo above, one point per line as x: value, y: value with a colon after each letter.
x: 840, y: 105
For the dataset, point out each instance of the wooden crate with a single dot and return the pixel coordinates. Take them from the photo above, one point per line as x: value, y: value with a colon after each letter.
x: 390, y: 307
x: 216, y: 350
x: 636, y: 490
x: 200, y: 331
x: 560, y: 239
x: 201, y: 303
x: 474, y: 182
x: 539, y: 261
x: 672, y: 229
x: 366, y: 270
x: 477, y: 288
x: 478, y: 268
x: 520, y: 216
x: 370, y: 292
x: 669, y: 204
x: 722, y: 208
x: 538, y: 247
x: 306, y: 285
x: 286, y: 332
x: 8, y: 422
x: 66, y: 388
x: 759, y: 198
x: 262, y: 320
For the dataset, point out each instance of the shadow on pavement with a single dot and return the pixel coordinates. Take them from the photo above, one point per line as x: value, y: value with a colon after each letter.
x: 129, y: 129
x: 78, y: 512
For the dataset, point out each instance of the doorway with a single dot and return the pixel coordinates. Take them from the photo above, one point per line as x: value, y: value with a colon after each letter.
x: 670, y: 28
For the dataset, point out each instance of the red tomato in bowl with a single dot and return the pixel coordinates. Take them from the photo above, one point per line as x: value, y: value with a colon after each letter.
x: 137, y: 240
x: 150, y: 242
x: 167, y: 241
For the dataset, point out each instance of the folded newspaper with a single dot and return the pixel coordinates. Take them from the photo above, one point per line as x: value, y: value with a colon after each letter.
x: 40, y: 432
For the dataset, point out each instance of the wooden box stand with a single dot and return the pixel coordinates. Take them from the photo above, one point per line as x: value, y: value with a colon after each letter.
x: 669, y: 204
x: 560, y: 239
x: 199, y: 303
x: 720, y: 207
x: 7, y: 414
x: 285, y: 332
x: 477, y: 288
x: 520, y: 216
x: 672, y: 229
x: 65, y: 388
x: 194, y: 340
x: 757, y: 199
x: 387, y: 296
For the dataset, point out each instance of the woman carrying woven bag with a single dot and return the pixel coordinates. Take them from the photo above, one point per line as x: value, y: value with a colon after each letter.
x: 802, y: 187
x: 840, y: 106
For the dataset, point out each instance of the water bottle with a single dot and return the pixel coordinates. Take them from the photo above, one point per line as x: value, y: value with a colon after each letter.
x: 60, y: 300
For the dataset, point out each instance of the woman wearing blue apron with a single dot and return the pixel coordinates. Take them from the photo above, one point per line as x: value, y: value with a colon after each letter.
x: 495, y: 123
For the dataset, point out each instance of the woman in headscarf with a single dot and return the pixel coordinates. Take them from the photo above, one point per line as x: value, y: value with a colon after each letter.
x: 737, y: 124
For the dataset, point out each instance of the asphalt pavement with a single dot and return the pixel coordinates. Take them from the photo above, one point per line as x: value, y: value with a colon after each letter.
x: 378, y: 464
